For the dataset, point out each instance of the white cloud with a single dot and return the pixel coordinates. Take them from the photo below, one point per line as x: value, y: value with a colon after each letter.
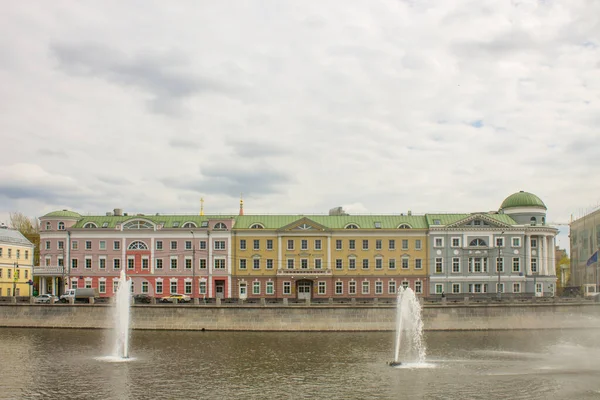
x: 389, y: 105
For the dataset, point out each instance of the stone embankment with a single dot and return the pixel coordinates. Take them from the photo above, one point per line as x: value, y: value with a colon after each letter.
x: 553, y: 315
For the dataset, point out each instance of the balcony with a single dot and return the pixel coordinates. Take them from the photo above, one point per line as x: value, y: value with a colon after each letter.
x: 53, y: 270
x: 306, y: 271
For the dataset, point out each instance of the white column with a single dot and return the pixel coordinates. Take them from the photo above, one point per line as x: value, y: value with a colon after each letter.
x: 329, y: 253
x: 548, y: 256
x: 279, y: 253
x: 527, y: 239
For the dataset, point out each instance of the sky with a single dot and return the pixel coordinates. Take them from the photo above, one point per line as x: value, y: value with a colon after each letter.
x: 299, y: 106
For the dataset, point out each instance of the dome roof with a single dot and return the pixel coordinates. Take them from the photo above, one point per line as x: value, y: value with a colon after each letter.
x: 63, y: 214
x: 522, y: 199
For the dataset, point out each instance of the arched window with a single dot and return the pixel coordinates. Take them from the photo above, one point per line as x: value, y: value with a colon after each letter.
x: 190, y: 225
x: 543, y: 220
x: 351, y: 226
x: 90, y: 225
x: 138, y: 224
x: 404, y: 226
x: 478, y: 242
x: 137, y: 245
x: 61, y: 226
x: 256, y: 226
x: 220, y: 225
x: 48, y: 226
x: 533, y: 221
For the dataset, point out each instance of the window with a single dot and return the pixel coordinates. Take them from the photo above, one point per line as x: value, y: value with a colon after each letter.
x: 159, y: 287
x: 456, y: 264
x: 404, y: 226
x: 533, y: 243
x: 287, y: 288
x: 219, y: 245
x: 188, y: 244
x: 290, y: 263
x: 242, y: 263
x: 339, y: 264
x: 318, y: 263
x: 270, y: 288
x: 378, y: 263
x: 256, y: 226
x: 392, y: 263
x: 303, y: 244
x: 173, y: 245
x: 102, y: 245
x: 173, y: 262
x: 516, y: 242
x: 456, y: 288
x: 242, y: 244
x: 365, y: 263
x: 455, y: 242
x: 173, y: 287
x: 339, y: 287
x: 256, y: 288
x: 203, y: 245
x: 404, y: 262
x: 137, y: 245
x: 477, y: 243
x: 74, y: 245
x: 220, y: 225
x: 392, y: 244
x: 116, y: 245
x: 203, y: 263
x: 418, y: 287
x: 159, y: 245
x: 188, y: 288
x: 404, y: 244
x: 188, y: 263
x: 405, y: 284
x: 60, y: 261
x: 478, y: 264
x: 269, y: 244
x: 256, y: 263
x: 365, y: 244
x: 534, y: 263
x: 516, y: 288
x: 392, y: 287
x: 189, y: 225
x: 338, y: 244
x: 322, y: 288
x: 61, y: 226
x: 351, y: 287
x: 516, y: 265
x: 439, y: 265
x: 61, y: 246
x: 116, y: 263
x: 144, y: 287
x: 145, y: 262
x: 74, y: 262
x: 439, y: 288
x: 499, y: 242
x: 438, y: 242
x: 499, y: 264
x: 378, y: 287
x: 378, y: 244
x: 290, y: 244
x: 317, y: 244
x: 159, y: 263
x: 351, y: 226
x: 202, y: 288
x: 352, y: 263
x: 48, y: 226
x: 256, y: 244
x: 304, y: 263
x: 418, y: 263
x: 47, y: 245
x: 418, y: 244
x: 102, y: 263
x: 18, y: 254
x: 499, y: 287
x: 269, y: 263
x: 138, y: 225
x: 352, y: 244
x: 533, y: 221
x: 365, y: 287
x: 102, y: 287
x: 88, y: 263
x: 88, y: 244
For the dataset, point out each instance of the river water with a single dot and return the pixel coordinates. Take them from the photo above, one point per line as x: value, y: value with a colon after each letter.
x: 69, y: 364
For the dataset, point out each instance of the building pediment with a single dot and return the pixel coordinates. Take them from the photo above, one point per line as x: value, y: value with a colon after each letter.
x: 478, y: 221
x: 304, y: 224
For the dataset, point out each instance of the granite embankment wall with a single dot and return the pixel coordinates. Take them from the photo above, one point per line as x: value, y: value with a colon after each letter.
x: 304, y: 318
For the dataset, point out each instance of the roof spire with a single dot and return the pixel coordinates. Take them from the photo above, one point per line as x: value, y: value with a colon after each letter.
x: 241, y: 204
x: 201, y: 205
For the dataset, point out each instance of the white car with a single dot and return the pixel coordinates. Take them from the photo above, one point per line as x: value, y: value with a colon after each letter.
x: 45, y: 298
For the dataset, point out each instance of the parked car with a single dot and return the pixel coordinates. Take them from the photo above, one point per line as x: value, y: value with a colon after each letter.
x: 45, y: 298
x: 142, y: 298
x: 181, y: 298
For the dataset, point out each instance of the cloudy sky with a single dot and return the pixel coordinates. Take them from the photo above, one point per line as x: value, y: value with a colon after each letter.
x: 379, y: 106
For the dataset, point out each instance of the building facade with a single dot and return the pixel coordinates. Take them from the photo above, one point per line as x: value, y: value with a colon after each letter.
x: 303, y: 256
x: 16, y: 263
x: 585, y: 242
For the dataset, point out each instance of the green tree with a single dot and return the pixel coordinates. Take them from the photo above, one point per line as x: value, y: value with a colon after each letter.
x: 30, y: 228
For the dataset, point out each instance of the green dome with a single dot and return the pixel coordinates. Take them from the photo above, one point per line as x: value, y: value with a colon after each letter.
x: 522, y: 199
x: 63, y: 214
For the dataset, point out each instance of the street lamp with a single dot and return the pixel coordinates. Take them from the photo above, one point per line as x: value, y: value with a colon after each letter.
x: 193, y: 262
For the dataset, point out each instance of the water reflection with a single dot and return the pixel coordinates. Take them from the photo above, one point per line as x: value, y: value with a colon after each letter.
x: 196, y: 365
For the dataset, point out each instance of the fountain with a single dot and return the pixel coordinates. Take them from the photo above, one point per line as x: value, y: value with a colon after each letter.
x: 409, y: 327
x: 121, y: 317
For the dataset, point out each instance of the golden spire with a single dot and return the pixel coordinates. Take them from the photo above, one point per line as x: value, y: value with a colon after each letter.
x: 201, y: 205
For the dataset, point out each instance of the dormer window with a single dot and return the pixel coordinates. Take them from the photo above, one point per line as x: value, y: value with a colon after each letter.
x: 256, y: 226
x: 533, y: 221
x: 351, y: 226
x: 61, y: 226
x: 204, y: 224
x: 176, y: 224
x: 404, y: 226
x: 220, y: 225
x: 190, y: 225
x: 90, y: 225
x: 48, y: 226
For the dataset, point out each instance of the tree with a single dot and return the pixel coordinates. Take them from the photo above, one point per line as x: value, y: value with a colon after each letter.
x: 23, y: 223
x: 564, y: 260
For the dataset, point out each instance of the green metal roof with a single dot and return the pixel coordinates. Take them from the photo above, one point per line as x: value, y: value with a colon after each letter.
x: 168, y: 221
x: 522, y: 199
x: 63, y: 214
x: 448, y: 219
x: 333, y: 221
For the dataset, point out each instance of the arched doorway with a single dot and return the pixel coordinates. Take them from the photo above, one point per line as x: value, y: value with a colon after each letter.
x: 304, y: 289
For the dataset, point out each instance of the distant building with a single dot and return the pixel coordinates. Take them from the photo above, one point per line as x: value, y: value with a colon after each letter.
x: 585, y: 241
x: 16, y: 263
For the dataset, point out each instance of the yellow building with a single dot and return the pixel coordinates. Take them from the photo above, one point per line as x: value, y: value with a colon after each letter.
x: 334, y: 256
x: 16, y: 263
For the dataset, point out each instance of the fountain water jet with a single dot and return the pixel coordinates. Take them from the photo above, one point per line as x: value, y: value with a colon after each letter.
x: 409, y: 326
x: 121, y: 317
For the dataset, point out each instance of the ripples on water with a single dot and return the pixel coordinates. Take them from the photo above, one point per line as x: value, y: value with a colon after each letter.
x: 72, y: 364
